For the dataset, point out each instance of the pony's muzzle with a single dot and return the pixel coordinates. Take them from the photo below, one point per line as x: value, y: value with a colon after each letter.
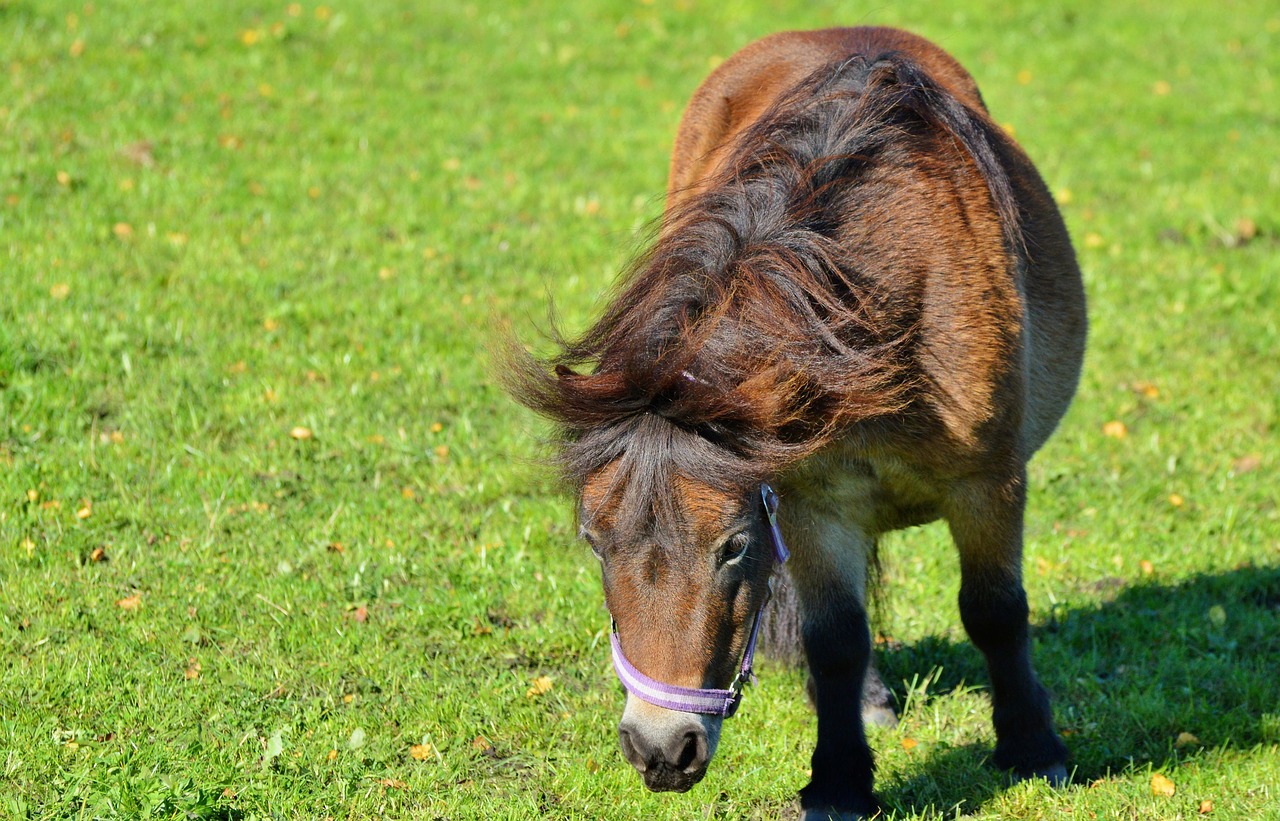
x: 670, y: 750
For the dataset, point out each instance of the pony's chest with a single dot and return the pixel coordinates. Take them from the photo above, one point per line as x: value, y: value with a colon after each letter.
x: 878, y: 493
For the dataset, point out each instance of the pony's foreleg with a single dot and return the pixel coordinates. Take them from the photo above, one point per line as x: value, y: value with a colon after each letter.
x: 780, y: 640
x: 986, y: 522
x: 829, y: 572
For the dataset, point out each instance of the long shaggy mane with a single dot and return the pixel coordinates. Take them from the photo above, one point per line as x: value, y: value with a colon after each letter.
x: 748, y: 336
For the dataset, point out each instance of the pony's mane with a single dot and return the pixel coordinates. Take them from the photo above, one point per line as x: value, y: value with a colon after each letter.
x: 745, y: 338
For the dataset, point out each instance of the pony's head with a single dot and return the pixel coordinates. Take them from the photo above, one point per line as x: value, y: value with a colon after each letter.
x: 685, y: 560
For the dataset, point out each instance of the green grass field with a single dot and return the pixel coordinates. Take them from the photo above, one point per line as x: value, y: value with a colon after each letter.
x: 274, y: 545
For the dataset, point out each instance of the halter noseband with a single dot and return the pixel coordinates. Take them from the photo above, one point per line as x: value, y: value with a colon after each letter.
x: 706, y: 701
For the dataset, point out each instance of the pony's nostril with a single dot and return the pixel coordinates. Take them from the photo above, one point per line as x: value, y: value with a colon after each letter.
x: 693, y: 753
x: 630, y: 752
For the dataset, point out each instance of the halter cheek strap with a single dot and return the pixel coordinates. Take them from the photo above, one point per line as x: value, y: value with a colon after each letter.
x: 705, y: 701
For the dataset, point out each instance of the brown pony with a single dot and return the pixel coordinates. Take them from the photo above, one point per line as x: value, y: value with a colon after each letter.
x: 863, y: 295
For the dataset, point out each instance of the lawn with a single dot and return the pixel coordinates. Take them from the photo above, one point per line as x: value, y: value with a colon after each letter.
x: 273, y: 544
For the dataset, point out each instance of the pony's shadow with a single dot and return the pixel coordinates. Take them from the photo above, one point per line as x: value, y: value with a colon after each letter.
x: 1153, y: 675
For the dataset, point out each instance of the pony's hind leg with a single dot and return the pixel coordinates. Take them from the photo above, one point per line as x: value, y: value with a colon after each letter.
x: 985, y: 518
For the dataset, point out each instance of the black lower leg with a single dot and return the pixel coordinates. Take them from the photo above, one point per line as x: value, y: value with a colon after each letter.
x: 994, y: 612
x: 837, y: 643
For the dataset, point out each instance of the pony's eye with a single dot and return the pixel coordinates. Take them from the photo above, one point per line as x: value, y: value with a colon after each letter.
x: 734, y: 548
x: 591, y: 540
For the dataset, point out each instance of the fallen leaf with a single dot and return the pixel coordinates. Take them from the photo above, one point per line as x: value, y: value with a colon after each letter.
x: 77, y: 48
x: 86, y: 509
x: 356, y: 741
x: 249, y: 36
x: 442, y: 451
x: 1024, y: 77
x: 1217, y: 615
x: 420, y: 752
x: 1247, y: 464
x: 123, y: 230
x: 301, y: 434
x: 1161, y: 785
x: 333, y: 755
x: 481, y: 743
x: 436, y: 427
x: 131, y: 602
x: 1147, y: 389
x: 1206, y: 807
x: 1176, y: 500
x: 393, y: 783
x: 1147, y: 567
x: 335, y: 547
x: 98, y: 555
x: 1094, y: 240
x: 1115, y: 429
x: 275, y: 745
x: 140, y: 153
x: 1186, y: 740
x: 541, y: 685
x: 1160, y: 88
x: 64, y: 179
x: 909, y: 744
x: 1246, y: 229
x: 360, y: 614
x: 60, y: 291
x: 193, y: 670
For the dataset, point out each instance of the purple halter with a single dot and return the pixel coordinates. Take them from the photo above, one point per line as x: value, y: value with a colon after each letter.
x: 706, y: 701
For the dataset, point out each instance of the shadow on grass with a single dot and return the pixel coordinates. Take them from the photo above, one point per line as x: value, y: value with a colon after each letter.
x: 1128, y: 676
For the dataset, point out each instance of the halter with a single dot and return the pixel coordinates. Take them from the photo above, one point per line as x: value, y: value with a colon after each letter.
x: 706, y: 701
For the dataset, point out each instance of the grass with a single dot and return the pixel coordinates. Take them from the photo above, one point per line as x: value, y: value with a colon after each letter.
x: 222, y: 222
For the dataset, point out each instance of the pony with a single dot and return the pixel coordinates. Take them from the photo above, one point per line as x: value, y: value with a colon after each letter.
x: 861, y: 312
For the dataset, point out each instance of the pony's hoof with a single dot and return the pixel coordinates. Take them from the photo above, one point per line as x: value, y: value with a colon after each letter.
x: 831, y: 815
x: 879, y: 717
x: 1056, y: 775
